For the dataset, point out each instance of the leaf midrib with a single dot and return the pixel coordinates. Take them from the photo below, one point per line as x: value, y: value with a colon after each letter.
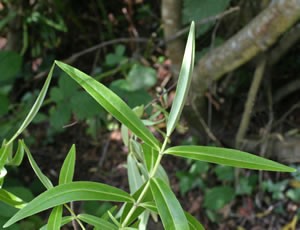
x: 220, y: 157
x: 86, y: 82
x: 71, y: 191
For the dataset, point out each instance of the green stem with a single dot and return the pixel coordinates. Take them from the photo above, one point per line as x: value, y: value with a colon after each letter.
x: 152, y: 174
x: 75, y: 217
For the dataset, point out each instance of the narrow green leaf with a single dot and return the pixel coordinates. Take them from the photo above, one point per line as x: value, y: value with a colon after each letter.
x: 112, y: 103
x: 230, y: 157
x: 55, y: 218
x: 134, y: 177
x: 152, y: 123
x: 105, y: 216
x: 5, y: 151
x: 18, y: 158
x: 65, y: 220
x: 11, y: 199
x: 144, y: 218
x: 150, y: 156
x: 147, y: 197
x: 97, y: 222
x: 168, y: 206
x: 35, y: 108
x: 162, y: 174
x: 193, y: 222
x: 67, y: 169
x: 65, y: 193
x: 44, y: 179
x: 136, y: 149
x: 125, y: 136
x: 184, y: 81
x: 113, y: 219
x: 150, y: 205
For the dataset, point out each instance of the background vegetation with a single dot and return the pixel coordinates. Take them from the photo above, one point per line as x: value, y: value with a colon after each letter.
x: 117, y: 42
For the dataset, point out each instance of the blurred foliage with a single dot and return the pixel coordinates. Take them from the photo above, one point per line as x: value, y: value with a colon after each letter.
x: 197, y: 10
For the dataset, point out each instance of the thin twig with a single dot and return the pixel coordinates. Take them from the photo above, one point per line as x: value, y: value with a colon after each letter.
x: 258, y: 75
x: 70, y: 125
x: 284, y: 116
x: 104, y: 152
x: 206, y: 128
x: 162, y: 94
x: 74, y: 223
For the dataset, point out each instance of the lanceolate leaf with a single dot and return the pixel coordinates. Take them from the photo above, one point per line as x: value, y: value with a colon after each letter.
x: 65, y: 193
x: 193, y: 223
x: 45, y: 180
x: 35, y: 108
x: 112, y: 103
x: 65, y: 220
x: 150, y: 156
x: 230, y: 157
x: 5, y: 150
x: 184, y: 81
x: 134, y: 177
x: 55, y: 218
x: 169, y: 208
x: 97, y: 222
x: 67, y: 169
x: 17, y: 159
x: 11, y: 199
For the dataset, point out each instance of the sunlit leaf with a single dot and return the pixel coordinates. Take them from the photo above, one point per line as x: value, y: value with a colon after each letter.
x: 65, y: 193
x: 112, y: 103
x: 230, y: 157
x: 184, y: 81
x: 67, y: 169
x: 97, y: 222
x: 55, y: 218
x: 168, y: 206
x: 11, y: 199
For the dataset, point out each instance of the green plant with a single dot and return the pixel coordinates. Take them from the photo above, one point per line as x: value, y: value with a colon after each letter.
x: 150, y: 189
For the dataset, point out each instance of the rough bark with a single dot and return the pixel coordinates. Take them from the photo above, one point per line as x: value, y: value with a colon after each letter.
x: 171, y: 16
x: 255, y: 38
x: 261, y: 33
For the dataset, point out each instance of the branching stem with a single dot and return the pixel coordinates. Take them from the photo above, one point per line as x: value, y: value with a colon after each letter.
x: 152, y: 174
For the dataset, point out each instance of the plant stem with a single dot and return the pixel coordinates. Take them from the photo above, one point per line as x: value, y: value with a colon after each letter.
x: 152, y: 174
x: 75, y: 217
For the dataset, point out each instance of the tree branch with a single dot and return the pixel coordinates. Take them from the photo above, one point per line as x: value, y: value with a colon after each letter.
x: 261, y: 33
x: 258, y: 75
x: 171, y: 16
